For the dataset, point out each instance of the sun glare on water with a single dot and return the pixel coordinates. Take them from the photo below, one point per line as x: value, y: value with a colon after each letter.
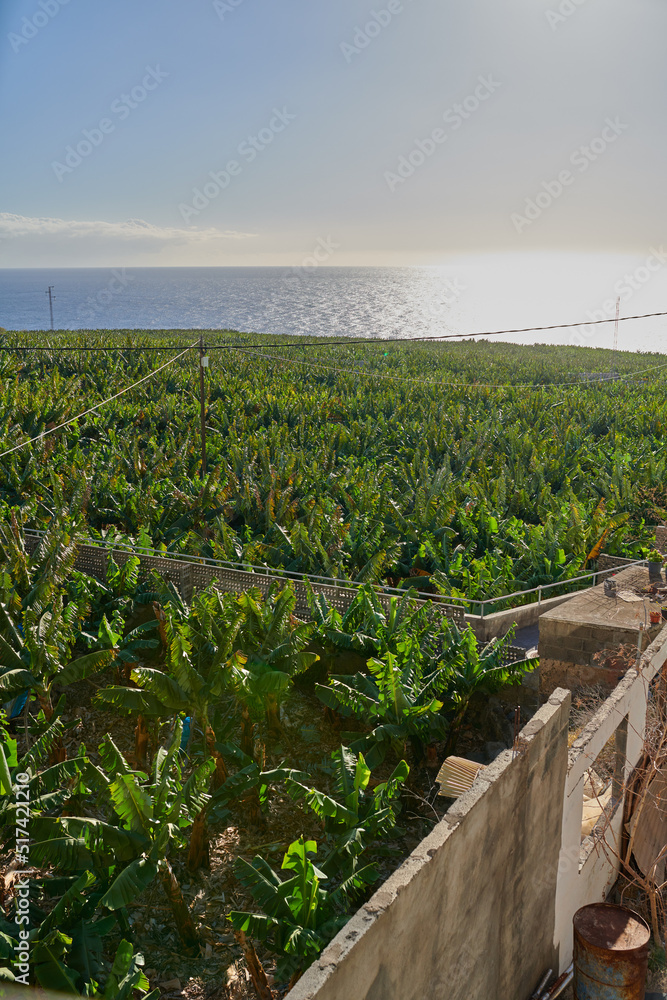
x: 504, y: 291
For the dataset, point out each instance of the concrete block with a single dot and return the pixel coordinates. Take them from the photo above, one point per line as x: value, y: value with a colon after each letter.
x: 593, y: 645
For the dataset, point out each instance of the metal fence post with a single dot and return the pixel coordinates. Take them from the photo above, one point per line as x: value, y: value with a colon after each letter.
x: 539, y: 595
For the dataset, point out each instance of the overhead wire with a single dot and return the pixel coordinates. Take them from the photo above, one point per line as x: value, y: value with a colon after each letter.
x: 91, y: 409
x: 346, y: 341
x: 448, y: 336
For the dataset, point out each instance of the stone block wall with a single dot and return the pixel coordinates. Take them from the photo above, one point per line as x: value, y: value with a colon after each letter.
x: 567, y: 653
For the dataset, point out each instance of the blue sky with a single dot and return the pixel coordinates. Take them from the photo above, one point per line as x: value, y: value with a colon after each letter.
x: 344, y: 100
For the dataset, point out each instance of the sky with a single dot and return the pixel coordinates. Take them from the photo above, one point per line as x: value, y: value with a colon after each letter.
x: 247, y: 132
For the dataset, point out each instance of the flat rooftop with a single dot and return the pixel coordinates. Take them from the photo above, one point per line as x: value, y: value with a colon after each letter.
x: 628, y: 610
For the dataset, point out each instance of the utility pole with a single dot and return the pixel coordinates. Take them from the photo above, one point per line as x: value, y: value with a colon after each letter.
x: 51, y: 298
x: 203, y: 363
x: 613, y: 359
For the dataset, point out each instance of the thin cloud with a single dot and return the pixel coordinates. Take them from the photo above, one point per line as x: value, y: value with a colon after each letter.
x: 132, y: 230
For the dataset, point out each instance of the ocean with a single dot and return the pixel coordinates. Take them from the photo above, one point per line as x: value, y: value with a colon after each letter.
x: 474, y: 295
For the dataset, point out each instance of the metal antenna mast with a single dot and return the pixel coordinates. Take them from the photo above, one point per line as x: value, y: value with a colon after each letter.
x: 51, y: 298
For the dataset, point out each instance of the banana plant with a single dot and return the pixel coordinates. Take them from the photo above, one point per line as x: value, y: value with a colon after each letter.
x: 196, y: 671
x: 66, y: 945
x: 366, y: 628
x: 356, y: 815
x: 396, y: 698
x: 268, y: 652
x: 273, y: 642
x: 298, y: 916
x: 37, y: 656
x: 40, y: 576
x: 467, y: 669
x: 152, y: 817
x: 248, y: 786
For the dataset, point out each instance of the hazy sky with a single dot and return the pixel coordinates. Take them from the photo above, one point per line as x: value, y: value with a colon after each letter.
x: 408, y: 131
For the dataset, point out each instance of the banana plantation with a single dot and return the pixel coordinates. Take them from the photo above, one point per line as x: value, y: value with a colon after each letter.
x: 207, y: 791
x: 471, y: 469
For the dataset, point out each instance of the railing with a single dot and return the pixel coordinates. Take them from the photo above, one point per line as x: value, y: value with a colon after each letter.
x: 340, y: 593
x: 539, y: 590
x: 190, y: 573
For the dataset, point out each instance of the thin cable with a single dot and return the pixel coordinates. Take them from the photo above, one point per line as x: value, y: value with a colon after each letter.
x: 72, y: 420
x: 358, y: 340
x: 61, y: 350
x: 446, y: 385
x: 446, y: 336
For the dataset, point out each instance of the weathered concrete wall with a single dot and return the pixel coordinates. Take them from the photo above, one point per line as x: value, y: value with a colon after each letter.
x: 566, y: 653
x: 572, y: 634
x: 500, y: 622
x: 468, y: 914
x: 588, y: 869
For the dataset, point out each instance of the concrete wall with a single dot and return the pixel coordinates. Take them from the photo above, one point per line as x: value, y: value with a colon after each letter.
x: 500, y: 622
x: 484, y: 906
x: 566, y: 651
x: 587, y: 870
x: 661, y: 538
x: 570, y: 636
x: 465, y: 915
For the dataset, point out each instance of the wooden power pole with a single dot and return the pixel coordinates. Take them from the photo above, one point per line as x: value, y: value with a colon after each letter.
x: 203, y: 363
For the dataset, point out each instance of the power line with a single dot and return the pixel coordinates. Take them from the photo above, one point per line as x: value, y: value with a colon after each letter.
x: 325, y: 342
x: 72, y: 420
x: 68, y: 347
x: 446, y: 336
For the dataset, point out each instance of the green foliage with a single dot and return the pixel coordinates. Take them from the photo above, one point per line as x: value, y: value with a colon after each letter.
x: 435, y: 481
x: 66, y: 945
x: 273, y: 647
x: 395, y: 697
x: 367, y: 629
x: 39, y: 655
x: 358, y: 814
x: 422, y: 690
x: 298, y: 915
x: 468, y: 669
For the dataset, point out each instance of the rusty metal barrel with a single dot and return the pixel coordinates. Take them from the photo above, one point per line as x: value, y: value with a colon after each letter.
x: 611, y: 946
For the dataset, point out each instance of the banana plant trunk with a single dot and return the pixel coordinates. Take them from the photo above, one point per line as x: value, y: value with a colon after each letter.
x: 255, y: 967
x: 182, y: 916
x: 247, y: 733
x: 220, y: 774
x: 273, y: 714
x: 140, y: 742
x: 198, y: 853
